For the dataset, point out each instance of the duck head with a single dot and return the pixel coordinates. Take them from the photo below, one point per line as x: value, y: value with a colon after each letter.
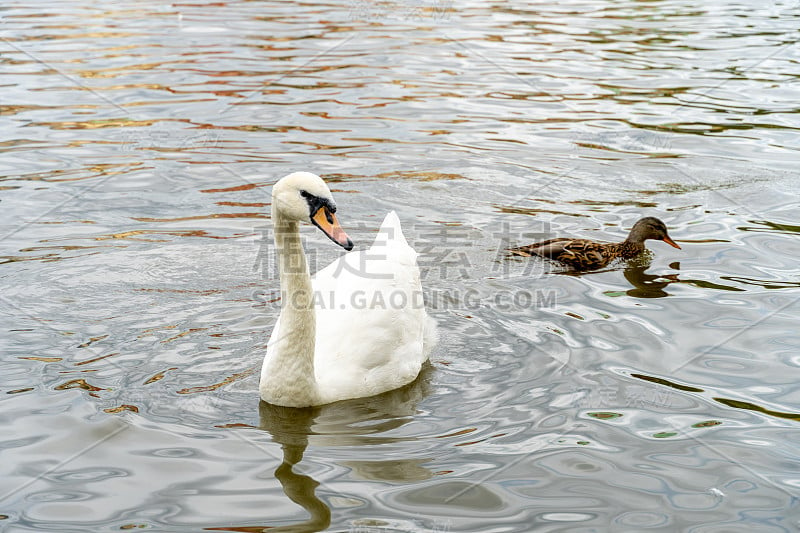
x: 651, y: 228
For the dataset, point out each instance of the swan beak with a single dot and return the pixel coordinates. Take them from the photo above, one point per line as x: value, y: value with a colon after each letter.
x: 669, y: 241
x: 325, y: 220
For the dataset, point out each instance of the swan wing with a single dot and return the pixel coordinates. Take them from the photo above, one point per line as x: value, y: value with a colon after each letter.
x: 372, y: 331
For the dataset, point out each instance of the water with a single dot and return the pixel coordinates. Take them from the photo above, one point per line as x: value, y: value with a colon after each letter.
x: 139, y: 143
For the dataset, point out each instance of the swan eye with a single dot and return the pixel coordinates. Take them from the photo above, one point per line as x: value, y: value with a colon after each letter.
x: 315, y: 203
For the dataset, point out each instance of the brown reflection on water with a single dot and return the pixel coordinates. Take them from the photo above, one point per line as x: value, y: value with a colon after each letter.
x: 95, y: 359
x: 79, y: 384
x: 42, y: 359
x: 182, y: 334
x: 100, y: 123
x: 516, y: 210
x: 78, y: 174
x: 400, y: 174
x: 227, y: 381
x: 44, y: 258
x: 158, y: 376
x: 202, y: 217
x: 237, y: 188
x: 244, y: 204
x: 134, y: 235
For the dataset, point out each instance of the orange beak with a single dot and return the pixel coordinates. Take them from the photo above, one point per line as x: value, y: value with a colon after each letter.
x: 325, y: 220
x: 669, y: 241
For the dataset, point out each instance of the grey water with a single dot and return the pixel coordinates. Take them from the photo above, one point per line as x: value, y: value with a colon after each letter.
x: 138, y: 145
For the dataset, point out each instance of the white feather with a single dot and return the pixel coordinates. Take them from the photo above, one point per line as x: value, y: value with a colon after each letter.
x: 372, y: 332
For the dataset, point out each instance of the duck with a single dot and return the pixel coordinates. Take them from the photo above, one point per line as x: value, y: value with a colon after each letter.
x: 585, y: 254
x: 359, y: 327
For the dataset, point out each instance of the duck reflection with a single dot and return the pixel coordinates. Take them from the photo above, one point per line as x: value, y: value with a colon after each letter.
x: 635, y: 271
x: 652, y: 286
x: 648, y: 285
x: 356, y: 422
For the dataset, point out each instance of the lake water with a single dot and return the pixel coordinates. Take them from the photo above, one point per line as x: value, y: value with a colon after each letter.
x: 139, y: 143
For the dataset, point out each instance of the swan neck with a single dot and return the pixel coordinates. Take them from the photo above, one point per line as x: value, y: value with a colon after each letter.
x: 293, y: 365
x: 292, y: 265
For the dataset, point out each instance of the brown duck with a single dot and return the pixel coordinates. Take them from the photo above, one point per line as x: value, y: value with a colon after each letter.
x: 583, y: 254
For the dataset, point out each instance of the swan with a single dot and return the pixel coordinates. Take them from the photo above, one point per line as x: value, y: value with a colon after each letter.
x: 358, y: 327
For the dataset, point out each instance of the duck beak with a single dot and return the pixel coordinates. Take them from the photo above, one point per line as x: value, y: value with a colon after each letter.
x: 669, y: 241
x: 325, y: 220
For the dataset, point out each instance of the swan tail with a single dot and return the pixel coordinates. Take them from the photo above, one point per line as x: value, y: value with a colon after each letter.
x: 391, y: 231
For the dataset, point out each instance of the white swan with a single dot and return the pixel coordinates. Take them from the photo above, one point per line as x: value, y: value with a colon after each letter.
x: 359, y: 327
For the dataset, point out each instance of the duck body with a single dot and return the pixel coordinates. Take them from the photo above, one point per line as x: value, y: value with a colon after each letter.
x: 581, y: 254
x: 357, y: 328
x: 585, y: 254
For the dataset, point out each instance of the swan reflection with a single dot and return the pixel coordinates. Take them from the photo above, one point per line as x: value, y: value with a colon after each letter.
x: 357, y: 423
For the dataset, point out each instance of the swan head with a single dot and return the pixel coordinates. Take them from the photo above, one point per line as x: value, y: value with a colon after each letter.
x: 304, y: 196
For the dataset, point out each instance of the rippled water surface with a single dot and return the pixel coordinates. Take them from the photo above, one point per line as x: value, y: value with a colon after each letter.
x: 139, y: 144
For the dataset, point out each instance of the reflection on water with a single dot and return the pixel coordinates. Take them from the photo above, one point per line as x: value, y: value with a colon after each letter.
x: 360, y: 421
x: 737, y: 404
x: 347, y: 423
x: 138, y: 144
x: 291, y: 428
x: 653, y: 285
x: 649, y: 285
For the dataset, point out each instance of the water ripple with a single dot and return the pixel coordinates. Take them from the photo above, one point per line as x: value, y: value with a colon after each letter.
x: 138, y: 148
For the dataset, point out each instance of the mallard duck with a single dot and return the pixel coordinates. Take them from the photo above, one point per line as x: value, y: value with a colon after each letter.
x: 584, y: 254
